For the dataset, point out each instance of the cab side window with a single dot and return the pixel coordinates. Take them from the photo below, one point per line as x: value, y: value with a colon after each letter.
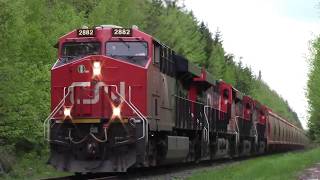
x: 163, y: 59
x: 167, y: 65
x: 156, y: 55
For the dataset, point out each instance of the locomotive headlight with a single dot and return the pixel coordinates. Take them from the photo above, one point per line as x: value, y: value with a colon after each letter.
x: 96, y: 68
x: 116, y: 112
x: 67, y: 112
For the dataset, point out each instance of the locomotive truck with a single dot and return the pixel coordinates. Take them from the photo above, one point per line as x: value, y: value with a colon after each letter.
x: 122, y: 99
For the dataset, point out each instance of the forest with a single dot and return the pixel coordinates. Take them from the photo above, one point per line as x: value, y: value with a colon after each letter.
x: 30, y: 28
x: 313, y: 93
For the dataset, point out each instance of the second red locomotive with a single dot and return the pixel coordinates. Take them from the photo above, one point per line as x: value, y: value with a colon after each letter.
x: 122, y: 99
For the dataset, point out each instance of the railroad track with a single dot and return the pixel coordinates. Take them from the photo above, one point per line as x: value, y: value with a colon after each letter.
x: 172, y: 171
x: 175, y: 171
x: 86, y: 177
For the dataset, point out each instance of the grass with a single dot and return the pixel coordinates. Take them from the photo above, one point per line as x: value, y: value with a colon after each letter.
x: 280, y: 166
x: 32, y: 166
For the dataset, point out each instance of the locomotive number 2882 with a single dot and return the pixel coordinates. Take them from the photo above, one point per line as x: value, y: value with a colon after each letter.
x: 85, y: 32
x: 121, y: 32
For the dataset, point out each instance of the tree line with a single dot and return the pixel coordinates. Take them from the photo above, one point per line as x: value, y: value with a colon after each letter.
x: 313, y: 93
x: 30, y: 28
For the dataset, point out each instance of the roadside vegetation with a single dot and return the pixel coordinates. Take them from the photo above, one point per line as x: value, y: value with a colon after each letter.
x: 30, y: 28
x: 313, y: 92
x: 279, y: 167
x: 32, y: 166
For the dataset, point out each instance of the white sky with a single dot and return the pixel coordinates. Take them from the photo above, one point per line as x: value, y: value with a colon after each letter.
x: 271, y: 35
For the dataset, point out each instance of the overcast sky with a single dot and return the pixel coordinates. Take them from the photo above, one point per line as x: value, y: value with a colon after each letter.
x: 271, y: 35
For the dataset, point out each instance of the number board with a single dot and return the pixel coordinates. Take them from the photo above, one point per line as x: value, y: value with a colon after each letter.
x: 86, y: 32
x: 121, y: 32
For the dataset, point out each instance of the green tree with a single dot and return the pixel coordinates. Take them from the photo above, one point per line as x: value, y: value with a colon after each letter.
x: 179, y: 30
x: 108, y: 12
x: 207, y: 37
x: 29, y: 33
x: 217, y: 65
x: 313, y: 93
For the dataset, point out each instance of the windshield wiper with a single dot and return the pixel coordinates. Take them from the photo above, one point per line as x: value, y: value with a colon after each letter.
x: 115, y: 56
x: 65, y: 59
x: 125, y: 43
x: 144, y: 44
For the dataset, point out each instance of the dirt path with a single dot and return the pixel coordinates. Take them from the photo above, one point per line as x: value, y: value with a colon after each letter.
x: 312, y: 173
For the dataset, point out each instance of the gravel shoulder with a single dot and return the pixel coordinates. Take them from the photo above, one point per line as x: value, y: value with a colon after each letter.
x: 311, y: 173
x: 177, y: 171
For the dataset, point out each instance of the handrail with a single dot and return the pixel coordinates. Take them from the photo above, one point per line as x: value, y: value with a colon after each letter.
x: 100, y: 140
x: 133, y: 104
x: 145, y: 123
x: 189, y: 100
x: 237, y: 131
x: 135, y: 109
x: 256, y: 133
x: 46, y: 123
x: 76, y: 142
x: 207, y: 121
x: 236, y: 122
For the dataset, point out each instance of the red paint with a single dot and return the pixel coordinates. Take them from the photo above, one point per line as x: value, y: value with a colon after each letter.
x: 202, y: 78
x: 263, y: 115
x: 192, y: 96
x: 113, y: 72
x: 225, y: 100
x: 247, y: 107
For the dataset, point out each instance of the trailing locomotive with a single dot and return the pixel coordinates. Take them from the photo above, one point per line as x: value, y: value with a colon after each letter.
x: 122, y: 99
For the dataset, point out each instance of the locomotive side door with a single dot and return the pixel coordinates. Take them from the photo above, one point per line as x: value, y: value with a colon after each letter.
x: 154, y: 87
x: 163, y: 88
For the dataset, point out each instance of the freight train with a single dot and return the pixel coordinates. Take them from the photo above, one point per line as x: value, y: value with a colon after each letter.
x: 121, y: 99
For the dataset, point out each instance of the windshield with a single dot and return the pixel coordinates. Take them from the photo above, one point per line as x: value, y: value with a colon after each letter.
x: 75, y: 50
x: 132, y: 52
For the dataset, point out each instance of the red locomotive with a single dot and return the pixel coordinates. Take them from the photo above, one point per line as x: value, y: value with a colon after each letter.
x: 122, y: 99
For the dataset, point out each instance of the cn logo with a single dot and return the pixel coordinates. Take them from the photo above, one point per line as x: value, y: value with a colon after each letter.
x: 96, y: 89
x: 82, y: 69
